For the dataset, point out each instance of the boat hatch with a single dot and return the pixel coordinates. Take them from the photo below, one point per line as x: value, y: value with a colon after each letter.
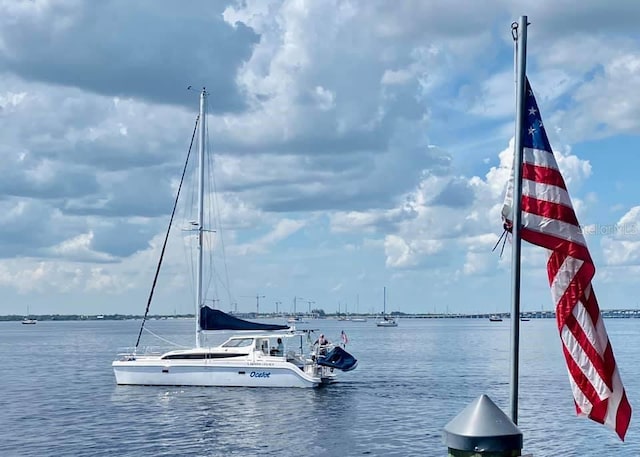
x: 238, y: 343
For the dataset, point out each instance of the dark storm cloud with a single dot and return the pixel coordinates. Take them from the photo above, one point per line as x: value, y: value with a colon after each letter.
x: 144, y: 49
x: 29, y: 226
x: 144, y: 192
x: 564, y: 18
x: 375, y: 183
x: 121, y: 238
x: 47, y: 181
x: 118, y: 153
x: 456, y: 194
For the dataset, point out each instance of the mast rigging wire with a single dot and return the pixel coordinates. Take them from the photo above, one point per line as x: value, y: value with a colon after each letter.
x: 166, y: 237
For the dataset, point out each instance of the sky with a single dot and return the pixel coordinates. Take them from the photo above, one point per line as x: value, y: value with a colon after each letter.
x: 358, y: 145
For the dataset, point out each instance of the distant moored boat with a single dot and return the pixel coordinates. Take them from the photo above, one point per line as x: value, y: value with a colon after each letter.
x: 27, y: 320
x: 386, y: 321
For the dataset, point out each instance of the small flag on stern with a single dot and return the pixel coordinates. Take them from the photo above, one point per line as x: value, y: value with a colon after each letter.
x: 548, y: 220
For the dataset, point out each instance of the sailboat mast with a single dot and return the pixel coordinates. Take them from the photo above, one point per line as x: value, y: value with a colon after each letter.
x: 201, y: 163
x: 384, y: 301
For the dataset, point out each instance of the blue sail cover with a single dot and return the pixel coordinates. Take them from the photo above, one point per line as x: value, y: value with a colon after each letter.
x: 214, y: 319
x: 340, y: 359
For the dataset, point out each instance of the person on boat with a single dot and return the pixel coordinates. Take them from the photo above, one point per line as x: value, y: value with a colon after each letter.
x: 345, y: 339
x: 321, y: 342
x: 279, y: 349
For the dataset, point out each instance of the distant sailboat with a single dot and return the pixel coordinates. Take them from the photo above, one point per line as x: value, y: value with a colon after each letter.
x: 295, y: 318
x: 386, y: 321
x: 27, y: 320
x: 358, y: 319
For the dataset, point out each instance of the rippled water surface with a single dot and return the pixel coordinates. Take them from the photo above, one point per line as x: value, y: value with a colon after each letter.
x: 59, y: 396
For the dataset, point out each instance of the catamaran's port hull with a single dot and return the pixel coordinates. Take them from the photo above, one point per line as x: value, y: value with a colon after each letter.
x: 161, y: 373
x: 387, y: 324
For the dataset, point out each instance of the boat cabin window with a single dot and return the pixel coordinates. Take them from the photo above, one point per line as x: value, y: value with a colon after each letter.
x: 190, y: 356
x: 277, y: 346
x: 263, y: 345
x: 238, y: 343
x: 201, y: 355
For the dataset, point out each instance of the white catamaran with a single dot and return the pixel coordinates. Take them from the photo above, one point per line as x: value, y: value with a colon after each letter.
x: 262, y: 355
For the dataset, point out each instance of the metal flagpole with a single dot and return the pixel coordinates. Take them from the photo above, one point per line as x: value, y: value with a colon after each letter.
x: 521, y: 59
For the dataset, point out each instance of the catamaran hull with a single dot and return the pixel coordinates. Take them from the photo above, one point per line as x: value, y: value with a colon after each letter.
x: 387, y: 324
x: 162, y: 374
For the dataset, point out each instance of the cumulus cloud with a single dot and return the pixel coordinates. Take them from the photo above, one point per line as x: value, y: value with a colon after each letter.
x: 79, y: 248
x: 402, y: 254
x: 283, y: 229
x: 73, y: 43
x: 368, y: 128
x: 620, y: 241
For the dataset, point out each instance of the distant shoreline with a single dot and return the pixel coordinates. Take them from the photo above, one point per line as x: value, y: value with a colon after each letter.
x: 618, y: 313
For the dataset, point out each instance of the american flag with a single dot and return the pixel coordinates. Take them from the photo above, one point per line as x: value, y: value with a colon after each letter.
x: 548, y: 220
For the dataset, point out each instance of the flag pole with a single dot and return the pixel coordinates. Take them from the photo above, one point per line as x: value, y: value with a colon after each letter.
x: 521, y: 61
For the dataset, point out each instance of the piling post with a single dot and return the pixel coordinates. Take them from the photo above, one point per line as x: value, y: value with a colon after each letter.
x: 482, y: 430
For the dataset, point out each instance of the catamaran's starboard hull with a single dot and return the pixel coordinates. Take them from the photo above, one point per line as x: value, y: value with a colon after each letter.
x: 144, y: 372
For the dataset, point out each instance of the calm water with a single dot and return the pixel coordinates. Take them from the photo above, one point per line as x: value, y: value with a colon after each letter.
x: 59, y: 397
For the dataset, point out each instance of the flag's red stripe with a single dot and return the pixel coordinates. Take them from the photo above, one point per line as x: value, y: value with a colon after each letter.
x: 609, y: 361
x: 623, y: 416
x: 599, y: 407
x: 565, y: 317
x: 543, y: 175
x: 549, y: 210
x: 591, y: 304
x: 555, y: 243
x: 579, y: 378
x: 599, y: 411
x: 603, y: 367
x: 577, y: 287
x: 556, y: 259
x: 552, y: 242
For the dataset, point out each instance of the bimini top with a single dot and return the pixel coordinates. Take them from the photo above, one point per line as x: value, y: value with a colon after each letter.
x: 214, y: 319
